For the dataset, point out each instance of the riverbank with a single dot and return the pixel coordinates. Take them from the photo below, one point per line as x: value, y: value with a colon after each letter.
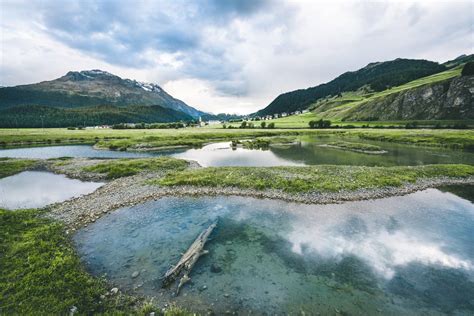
x: 47, y: 268
x: 42, y: 274
x: 313, y: 185
x: 146, y: 139
x: 9, y: 167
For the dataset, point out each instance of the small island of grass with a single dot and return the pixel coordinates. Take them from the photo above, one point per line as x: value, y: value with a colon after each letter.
x: 356, y: 147
x: 263, y: 142
x: 321, y: 178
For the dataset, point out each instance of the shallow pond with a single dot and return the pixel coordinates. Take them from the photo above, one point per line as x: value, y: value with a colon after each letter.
x: 310, y: 152
x: 307, y: 152
x: 83, y: 151
x: 402, y: 255
x: 34, y: 189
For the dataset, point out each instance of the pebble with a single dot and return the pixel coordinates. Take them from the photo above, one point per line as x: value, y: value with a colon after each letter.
x: 77, y: 212
x: 215, y: 268
x: 114, y: 291
x: 135, y: 274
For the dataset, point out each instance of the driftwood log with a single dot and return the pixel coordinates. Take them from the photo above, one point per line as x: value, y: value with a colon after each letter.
x: 188, y: 259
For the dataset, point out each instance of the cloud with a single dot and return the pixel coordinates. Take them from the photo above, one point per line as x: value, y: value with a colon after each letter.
x: 246, y: 52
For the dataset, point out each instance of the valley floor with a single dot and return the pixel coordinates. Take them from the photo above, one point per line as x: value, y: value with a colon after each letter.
x: 46, y: 271
x: 151, y: 139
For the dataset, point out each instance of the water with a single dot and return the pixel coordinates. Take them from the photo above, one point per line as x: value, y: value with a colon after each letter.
x: 82, y: 151
x: 307, y: 152
x: 402, y: 255
x: 221, y: 154
x: 34, y: 189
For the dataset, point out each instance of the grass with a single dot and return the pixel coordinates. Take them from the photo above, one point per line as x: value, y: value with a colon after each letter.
x: 125, y: 139
x: 322, y: 178
x: 456, y: 139
x: 127, y: 167
x: 264, y: 142
x: 9, y: 167
x: 355, y: 146
x: 148, y: 139
x: 333, y: 108
x: 42, y: 274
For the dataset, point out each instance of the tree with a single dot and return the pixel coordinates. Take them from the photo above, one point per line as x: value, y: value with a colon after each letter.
x: 244, y: 124
x: 468, y: 69
x: 325, y: 124
x: 411, y: 125
x: 271, y: 125
x: 263, y: 124
x: 320, y: 124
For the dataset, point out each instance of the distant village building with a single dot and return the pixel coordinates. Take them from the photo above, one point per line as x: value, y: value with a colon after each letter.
x: 98, y: 127
x: 305, y: 111
x: 284, y: 114
x: 201, y: 123
x: 297, y: 112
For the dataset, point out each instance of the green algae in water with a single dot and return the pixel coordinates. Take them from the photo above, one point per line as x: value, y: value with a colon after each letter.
x: 401, y: 255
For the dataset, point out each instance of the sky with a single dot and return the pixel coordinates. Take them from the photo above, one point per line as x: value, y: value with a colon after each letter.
x: 222, y: 55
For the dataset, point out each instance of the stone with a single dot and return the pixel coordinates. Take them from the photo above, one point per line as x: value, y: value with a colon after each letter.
x: 135, y: 274
x: 114, y: 291
x: 215, y: 268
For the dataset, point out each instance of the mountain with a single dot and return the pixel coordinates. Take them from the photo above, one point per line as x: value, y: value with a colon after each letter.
x: 446, y: 95
x: 92, y: 90
x: 374, y: 77
x: 459, y: 61
x: 48, y: 116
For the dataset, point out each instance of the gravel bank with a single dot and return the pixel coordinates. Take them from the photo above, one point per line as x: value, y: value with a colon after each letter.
x: 133, y: 190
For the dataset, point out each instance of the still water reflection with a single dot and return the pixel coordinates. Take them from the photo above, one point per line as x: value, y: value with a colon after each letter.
x: 307, y: 151
x: 402, y: 255
x: 33, y: 189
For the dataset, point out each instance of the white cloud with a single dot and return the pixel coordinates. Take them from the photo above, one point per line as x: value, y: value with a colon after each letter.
x: 227, y: 58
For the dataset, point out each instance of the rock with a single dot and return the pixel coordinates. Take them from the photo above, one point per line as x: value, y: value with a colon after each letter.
x: 152, y: 314
x: 215, y: 268
x: 203, y: 288
x: 114, y: 291
x: 226, y: 295
x: 135, y: 274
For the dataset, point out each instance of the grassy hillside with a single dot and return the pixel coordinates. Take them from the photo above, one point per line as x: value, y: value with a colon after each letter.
x: 336, y: 108
x: 374, y: 77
